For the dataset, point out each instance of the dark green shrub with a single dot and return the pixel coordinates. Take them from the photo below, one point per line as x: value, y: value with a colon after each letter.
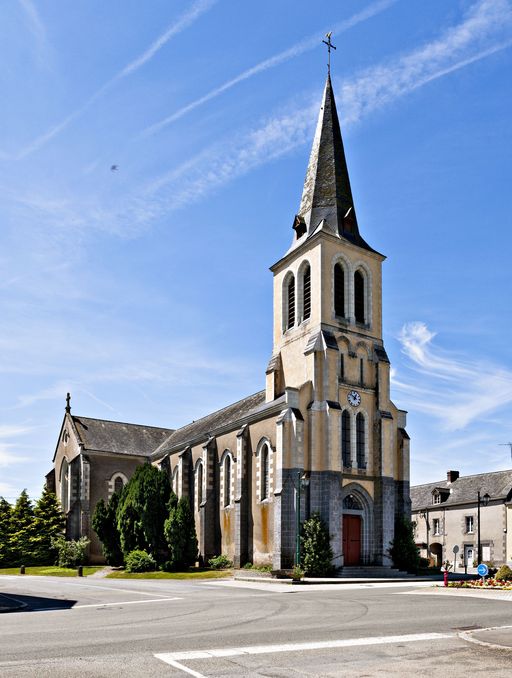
x: 71, y: 553
x: 104, y: 523
x: 180, y: 533
x: 142, y: 511
x: 140, y: 561
x: 316, y: 556
x: 403, y: 550
x: 220, y: 563
x: 504, y: 573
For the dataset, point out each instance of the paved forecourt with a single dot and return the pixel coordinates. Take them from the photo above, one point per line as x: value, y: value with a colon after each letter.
x: 98, y: 627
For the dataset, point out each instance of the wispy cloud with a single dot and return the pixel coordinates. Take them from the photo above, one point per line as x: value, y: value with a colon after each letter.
x: 455, y: 389
x: 299, y: 48
x: 8, y: 453
x: 37, y: 29
x: 183, y: 22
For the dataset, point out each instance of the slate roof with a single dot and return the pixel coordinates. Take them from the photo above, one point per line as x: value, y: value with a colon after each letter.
x: 327, y: 193
x: 118, y: 437
x: 498, y: 485
x: 201, y: 429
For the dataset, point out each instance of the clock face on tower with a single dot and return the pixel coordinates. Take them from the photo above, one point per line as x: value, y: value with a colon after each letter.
x: 354, y: 398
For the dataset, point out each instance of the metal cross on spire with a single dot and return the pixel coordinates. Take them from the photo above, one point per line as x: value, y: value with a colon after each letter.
x: 329, y: 47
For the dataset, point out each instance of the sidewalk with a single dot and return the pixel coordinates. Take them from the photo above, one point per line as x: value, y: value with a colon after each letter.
x: 8, y: 604
x: 499, y: 638
x: 411, y: 579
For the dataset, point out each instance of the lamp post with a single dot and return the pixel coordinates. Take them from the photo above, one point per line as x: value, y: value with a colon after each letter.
x: 485, y: 501
x: 302, y: 482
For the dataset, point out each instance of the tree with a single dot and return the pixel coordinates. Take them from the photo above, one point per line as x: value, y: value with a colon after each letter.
x: 142, y: 512
x: 49, y: 523
x: 180, y: 533
x: 22, y: 530
x: 104, y: 523
x: 316, y: 548
x: 5, y: 532
x: 403, y: 550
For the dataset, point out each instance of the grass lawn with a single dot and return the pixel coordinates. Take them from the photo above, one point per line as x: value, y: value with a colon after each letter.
x: 51, y: 570
x: 197, y: 573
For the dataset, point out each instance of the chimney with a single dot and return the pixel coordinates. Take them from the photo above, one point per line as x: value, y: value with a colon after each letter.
x: 451, y: 476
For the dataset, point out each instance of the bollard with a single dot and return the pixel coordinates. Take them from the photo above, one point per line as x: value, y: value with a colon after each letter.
x: 445, y: 576
x: 22, y: 569
x: 80, y: 571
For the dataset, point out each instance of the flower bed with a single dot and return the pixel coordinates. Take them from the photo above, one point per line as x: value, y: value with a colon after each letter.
x: 490, y: 583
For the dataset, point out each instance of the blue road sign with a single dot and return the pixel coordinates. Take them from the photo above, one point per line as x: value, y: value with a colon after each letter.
x: 482, y: 570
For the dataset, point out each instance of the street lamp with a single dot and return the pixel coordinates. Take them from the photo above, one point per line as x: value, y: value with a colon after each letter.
x: 480, y: 501
x: 302, y: 482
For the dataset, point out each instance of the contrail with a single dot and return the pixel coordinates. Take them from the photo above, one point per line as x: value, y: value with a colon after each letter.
x: 299, y: 48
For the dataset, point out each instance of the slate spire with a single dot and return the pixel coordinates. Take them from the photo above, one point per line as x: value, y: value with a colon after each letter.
x: 327, y: 194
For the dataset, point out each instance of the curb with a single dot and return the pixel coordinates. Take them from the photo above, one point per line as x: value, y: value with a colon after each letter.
x: 19, y: 605
x: 335, y: 582
x: 469, y: 637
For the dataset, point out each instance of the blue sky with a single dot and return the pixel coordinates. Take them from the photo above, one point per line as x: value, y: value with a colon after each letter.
x: 146, y: 291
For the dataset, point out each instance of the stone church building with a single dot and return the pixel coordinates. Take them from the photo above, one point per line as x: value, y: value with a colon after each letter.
x: 325, y: 419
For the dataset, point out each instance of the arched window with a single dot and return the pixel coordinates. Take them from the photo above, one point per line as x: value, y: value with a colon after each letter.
x: 199, y: 484
x: 174, y: 481
x: 359, y: 292
x: 345, y: 439
x: 265, y: 471
x: 360, y: 441
x: 227, y: 480
x: 339, y: 290
x: 306, y: 293
x: 290, y: 292
x: 118, y: 484
x: 64, y: 485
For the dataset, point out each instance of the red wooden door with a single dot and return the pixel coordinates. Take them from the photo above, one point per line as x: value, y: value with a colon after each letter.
x: 352, y: 539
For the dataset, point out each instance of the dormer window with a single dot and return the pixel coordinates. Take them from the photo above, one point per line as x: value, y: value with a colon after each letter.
x: 439, y: 495
x: 436, y: 498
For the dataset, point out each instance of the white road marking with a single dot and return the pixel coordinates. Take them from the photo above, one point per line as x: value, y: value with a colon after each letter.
x: 174, y: 658
x: 126, y: 602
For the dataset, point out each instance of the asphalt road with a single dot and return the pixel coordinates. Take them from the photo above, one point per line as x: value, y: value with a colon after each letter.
x: 104, y: 627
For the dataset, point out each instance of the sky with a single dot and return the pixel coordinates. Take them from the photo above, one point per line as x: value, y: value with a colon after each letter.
x: 145, y: 290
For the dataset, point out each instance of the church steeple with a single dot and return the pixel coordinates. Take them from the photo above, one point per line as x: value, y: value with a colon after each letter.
x: 327, y: 194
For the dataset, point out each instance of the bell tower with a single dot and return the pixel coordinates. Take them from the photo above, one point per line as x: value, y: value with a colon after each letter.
x: 329, y: 358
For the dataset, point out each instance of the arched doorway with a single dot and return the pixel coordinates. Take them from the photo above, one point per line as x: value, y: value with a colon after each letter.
x: 357, y: 525
x: 436, y: 552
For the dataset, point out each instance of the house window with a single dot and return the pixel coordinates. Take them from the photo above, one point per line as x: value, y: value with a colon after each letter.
x: 306, y: 293
x: 339, y: 290
x: 360, y: 441
x: 436, y: 498
x: 359, y: 297
x: 227, y: 480
x: 436, y: 526
x: 469, y: 524
x: 345, y: 439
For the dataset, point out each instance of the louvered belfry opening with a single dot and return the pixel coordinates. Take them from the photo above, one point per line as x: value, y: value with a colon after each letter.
x: 291, y: 302
x: 345, y: 439
x: 306, y: 287
x: 339, y: 290
x: 359, y: 297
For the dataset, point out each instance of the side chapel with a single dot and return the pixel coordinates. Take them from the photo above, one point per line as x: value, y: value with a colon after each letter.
x: 325, y: 419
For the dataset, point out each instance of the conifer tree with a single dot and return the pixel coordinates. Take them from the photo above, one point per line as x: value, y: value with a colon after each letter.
x: 22, y: 530
x: 180, y: 532
x: 49, y: 523
x: 142, y: 511
x: 316, y: 548
x: 403, y: 549
x: 104, y: 523
x: 5, y: 532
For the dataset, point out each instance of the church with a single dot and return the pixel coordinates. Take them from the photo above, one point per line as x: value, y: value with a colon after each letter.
x: 323, y: 436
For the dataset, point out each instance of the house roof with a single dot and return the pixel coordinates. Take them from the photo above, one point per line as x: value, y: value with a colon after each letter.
x: 498, y: 485
x: 117, y: 437
x: 201, y: 429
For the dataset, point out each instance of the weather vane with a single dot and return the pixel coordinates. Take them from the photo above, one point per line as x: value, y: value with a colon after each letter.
x: 329, y: 47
